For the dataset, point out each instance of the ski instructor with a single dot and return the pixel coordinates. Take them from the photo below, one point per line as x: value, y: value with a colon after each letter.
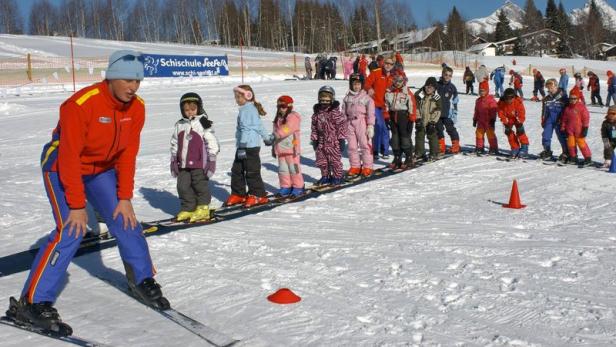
x: 91, y: 157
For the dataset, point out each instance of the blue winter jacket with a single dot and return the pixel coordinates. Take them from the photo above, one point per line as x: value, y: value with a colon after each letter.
x: 498, y: 75
x: 449, y: 99
x: 249, y: 131
x: 563, y: 83
x: 553, y: 106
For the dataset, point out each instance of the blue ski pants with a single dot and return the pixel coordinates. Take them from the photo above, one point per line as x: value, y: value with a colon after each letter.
x: 52, y: 260
x: 552, y: 126
x: 380, y: 142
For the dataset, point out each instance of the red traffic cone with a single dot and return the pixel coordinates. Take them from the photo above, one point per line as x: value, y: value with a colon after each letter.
x: 514, y: 199
x: 284, y: 296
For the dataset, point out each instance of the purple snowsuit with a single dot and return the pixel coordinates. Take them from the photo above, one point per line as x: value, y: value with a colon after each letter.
x: 328, y: 127
x: 358, y: 108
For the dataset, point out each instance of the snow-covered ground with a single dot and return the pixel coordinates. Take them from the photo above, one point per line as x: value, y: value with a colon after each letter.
x: 423, y: 258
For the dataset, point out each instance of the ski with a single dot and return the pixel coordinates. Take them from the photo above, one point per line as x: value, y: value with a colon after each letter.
x: 211, y: 336
x: 21, y: 261
x: 72, y: 339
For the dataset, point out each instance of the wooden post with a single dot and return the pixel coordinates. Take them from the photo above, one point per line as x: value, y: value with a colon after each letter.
x: 295, y: 63
x: 29, y: 67
x: 73, y: 63
x: 242, y: 57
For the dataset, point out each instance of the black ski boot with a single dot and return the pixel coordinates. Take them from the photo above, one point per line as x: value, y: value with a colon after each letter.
x: 39, y: 316
x: 479, y: 151
x: 586, y: 162
x: 546, y: 154
x: 409, y: 162
x: 396, y: 163
x: 149, y: 293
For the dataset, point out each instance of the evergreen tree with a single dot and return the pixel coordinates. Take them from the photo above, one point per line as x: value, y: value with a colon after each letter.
x: 551, y: 16
x: 503, y: 28
x: 457, y: 34
x: 533, y: 19
x: 518, y: 47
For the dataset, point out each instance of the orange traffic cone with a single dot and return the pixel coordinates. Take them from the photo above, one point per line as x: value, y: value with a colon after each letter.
x: 514, y: 199
x: 284, y: 296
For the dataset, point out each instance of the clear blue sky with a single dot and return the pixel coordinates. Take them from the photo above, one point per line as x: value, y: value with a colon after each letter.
x: 427, y: 11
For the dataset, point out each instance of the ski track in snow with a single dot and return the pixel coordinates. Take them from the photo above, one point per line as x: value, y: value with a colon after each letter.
x: 421, y: 258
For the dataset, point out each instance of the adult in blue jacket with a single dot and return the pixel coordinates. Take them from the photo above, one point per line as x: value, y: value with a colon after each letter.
x: 498, y: 76
x: 553, y: 106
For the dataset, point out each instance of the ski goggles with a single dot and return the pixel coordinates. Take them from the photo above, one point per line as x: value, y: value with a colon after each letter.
x: 129, y: 57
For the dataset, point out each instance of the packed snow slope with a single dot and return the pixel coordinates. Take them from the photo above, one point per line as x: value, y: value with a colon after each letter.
x: 427, y: 257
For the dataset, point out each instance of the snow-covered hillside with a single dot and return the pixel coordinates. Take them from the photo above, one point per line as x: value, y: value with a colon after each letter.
x: 608, y: 14
x: 424, y: 258
x: 488, y: 24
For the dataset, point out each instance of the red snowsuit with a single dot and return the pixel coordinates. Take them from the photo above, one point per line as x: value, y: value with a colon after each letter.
x: 574, y: 119
x: 512, y: 115
x: 486, y: 109
x: 363, y: 65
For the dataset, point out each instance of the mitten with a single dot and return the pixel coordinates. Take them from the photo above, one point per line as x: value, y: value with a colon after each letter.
x: 370, y: 131
x: 210, y: 168
x: 174, y: 167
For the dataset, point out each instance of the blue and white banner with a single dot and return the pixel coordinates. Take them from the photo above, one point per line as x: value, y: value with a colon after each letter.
x: 156, y: 65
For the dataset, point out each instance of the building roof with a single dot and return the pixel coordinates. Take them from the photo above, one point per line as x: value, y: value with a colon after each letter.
x: 480, y: 47
x: 414, y: 36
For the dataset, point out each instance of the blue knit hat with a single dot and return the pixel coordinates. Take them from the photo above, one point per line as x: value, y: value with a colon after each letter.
x: 125, y: 65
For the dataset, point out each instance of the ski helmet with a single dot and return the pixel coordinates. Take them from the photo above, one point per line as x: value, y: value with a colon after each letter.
x: 191, y: 97
x: 329, y: 90
x: 355, y: 77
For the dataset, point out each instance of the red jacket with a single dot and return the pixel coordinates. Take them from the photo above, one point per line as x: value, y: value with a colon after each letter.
x: 486, y: 109
x: 380, y: 81
x: 95, y: 133
x: 512, y: 114
x: 363, y: 65
x: 593, y: 83
x: 574, y: 118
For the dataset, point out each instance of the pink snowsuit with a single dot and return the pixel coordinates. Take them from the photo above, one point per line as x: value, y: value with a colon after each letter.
x: 574, y: 118
x: 486, y: 110
x: 347, y: 67
x: 287, y: 149
x: 358, y: 108
x: 327, y: 129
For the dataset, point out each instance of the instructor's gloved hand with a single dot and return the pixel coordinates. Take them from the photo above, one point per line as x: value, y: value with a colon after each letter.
x: 507, y: 130
x: 474, y: 123
x: 370, y: 132
x: 342, y: 145
x: 584, y: 131
x: 174, y: 167
x: 241, y: 153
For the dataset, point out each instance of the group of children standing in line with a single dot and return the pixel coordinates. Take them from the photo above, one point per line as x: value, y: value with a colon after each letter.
x: 334, y: 125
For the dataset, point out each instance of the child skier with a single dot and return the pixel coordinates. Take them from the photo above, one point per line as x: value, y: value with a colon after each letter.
x: 484, y: 121
x: 194, y: 148
x: 449, y: 111
x: 579, y: 84
x: 563, y: 82
x: 516, y: 82
x: 539, y: 85
x: 469, y: 80
x: 498, y: 76
x: 246, y: 168
x: 574, y: 124
x: 594, y: 87
x: 512, y: 113
x: 611, y: 88
x: 483, y: 78
x: 429, y: 112
x: 553, y: 106
x: 608, y: 135
x: 287, y: 148
x: 400, y: 103
x: 358, y: 109
x: 328, y: 131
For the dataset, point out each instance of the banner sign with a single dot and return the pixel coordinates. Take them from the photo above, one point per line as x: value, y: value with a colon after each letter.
x: 156, y: 65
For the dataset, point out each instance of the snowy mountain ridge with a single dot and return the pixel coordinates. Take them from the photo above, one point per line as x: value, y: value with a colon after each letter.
x: 516, y: 16
x: 608, y: 14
